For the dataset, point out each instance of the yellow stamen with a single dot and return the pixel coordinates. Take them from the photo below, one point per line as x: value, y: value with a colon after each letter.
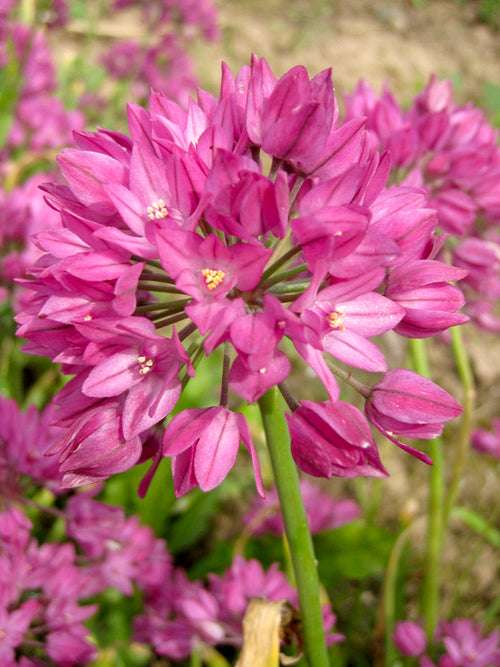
x: 213, y: 278
x: 145, y: 365
x: 335, y: 320
x: 157, y: 210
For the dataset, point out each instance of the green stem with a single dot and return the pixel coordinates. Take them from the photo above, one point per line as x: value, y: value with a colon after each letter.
x: 153, y: 286
x: 292, y: 287
x: 296, y: 529
x: 388, y: 615
x: 285, y: 275
x: 463, y: 441
x: 435, y: 527
x: 284, y: 259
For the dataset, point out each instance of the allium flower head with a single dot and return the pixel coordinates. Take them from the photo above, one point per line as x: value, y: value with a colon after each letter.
x: 178, y: 240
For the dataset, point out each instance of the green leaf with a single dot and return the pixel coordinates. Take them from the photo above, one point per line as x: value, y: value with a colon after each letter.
x: 10, y: 86
x: 355, y: 551
x: 195, y: 521
x: 478, y: 524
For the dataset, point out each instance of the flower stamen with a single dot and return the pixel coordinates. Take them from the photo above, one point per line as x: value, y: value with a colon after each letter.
x: 334, y: 319
x: 157, y: 210
x: 145, y: 365
x: 213, y: 277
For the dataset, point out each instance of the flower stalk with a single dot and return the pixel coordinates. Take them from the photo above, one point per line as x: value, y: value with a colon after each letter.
x: 464, y: 438
x: 435, y: 528
x: 296, y: 529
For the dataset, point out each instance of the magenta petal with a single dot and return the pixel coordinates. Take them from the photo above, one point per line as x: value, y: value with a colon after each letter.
x: 86, y: 172
x: 148, y: 403
x: 249, y: 262
x: 247, y: 440
x: 181, y: 432
x: 418, y: 399
x: 252, y: 384
x: 355, y: 350
x: 132, y: 211
x: 98, y: 266
x: 217, y: 448
x: 113, y: 376
x: 333, y: 440
x: 316, y: 361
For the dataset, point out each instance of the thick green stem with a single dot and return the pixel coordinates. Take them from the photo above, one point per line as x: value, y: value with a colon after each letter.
x: 435, y: 528
x: 463, y: 440
x: 296, y: 529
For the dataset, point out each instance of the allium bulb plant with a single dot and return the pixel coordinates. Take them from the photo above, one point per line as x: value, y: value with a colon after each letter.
x: 175, y: 242
x: 256, y: 227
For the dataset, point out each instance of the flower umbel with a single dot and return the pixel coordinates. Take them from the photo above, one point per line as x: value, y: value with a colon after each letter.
x: 175, y: 242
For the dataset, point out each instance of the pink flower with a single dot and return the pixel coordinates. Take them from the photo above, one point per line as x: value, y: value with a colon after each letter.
x: 333, y: 441
x: 95, y: 447
x: 430, y: 303
x: 204, y: 443
x: 487, y: 441
x: 466, y: 646
x: 323, y: 512
x: 179, y: 225
x: 406, y: 404
x: 409, y: 638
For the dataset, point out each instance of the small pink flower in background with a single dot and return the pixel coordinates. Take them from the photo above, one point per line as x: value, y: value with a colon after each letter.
x: 25, y: 438
x: 179, y: 612
x: 487, y: 441
x: 23, y: 213
x: 453, y: 153
x: 409, y: 638
x: 467, y: 647
x: 49, y: 577
x: 246, y: 580
x: 323, y: 512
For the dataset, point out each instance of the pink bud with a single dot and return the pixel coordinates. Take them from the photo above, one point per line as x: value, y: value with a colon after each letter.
x: 409, y: 638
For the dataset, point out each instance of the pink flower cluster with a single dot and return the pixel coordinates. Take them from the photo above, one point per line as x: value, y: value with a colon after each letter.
x: 463, y: 642
x: 162, y: 61
x: 180, y: 615
x: 22, y: 213
x: 453, y: 153
x: 24, y: 439
x: 40, y: 120
x: 323, y: 512
x: 243, y: 222
x: 40, y: 588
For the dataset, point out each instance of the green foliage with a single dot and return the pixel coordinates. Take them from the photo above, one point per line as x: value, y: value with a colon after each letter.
x: 354, y: 551
x: 10, y: 85
x: 489, y: 12
x: 491, y: 101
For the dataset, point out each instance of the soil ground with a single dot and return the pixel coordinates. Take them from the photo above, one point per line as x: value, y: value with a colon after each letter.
x: 394, y: 41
